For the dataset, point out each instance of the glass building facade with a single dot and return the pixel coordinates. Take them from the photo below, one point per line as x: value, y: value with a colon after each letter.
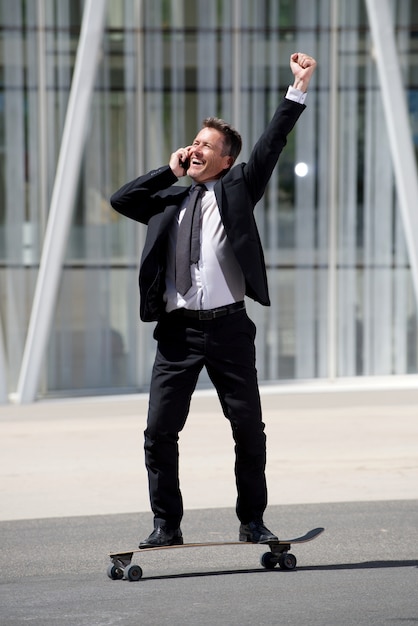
x: 343, y: 297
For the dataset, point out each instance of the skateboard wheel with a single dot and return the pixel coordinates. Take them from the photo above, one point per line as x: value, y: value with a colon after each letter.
x: 287, y: 561
x: 114, y: 572
x: 268, y: 560
x: 132, y: 573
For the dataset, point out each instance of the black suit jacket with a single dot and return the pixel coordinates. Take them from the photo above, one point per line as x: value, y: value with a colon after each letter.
x: 153, y: 199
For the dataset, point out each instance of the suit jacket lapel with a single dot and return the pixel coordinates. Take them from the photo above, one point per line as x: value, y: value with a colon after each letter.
x: 159, y: 224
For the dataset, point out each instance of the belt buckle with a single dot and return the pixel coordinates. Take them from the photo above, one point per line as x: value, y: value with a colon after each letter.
x: 206, y: 315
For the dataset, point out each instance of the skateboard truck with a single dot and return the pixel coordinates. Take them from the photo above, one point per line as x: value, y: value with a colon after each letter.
x: 121, y: 567
x: 279, y: 554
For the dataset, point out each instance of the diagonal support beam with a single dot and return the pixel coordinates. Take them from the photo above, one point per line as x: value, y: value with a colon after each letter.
x: 63, y: 197
x: 398, y: 126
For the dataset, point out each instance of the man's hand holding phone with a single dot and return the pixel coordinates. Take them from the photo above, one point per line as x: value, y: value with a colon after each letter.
x: 180, y: 161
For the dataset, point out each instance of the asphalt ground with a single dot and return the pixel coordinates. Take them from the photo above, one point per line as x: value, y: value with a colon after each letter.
x: 362, y: 571
x: 73, y: 489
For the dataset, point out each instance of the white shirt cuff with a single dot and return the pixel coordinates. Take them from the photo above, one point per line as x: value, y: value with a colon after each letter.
x: 296, y: 95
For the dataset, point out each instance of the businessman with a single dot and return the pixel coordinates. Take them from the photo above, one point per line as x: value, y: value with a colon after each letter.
x: 202, y: 256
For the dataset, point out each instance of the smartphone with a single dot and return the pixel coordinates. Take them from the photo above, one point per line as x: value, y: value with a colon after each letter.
x: 185, y: 164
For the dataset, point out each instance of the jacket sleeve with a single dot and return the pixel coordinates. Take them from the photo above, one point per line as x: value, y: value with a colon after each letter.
x: 140, y: 199
x: 266, y: 152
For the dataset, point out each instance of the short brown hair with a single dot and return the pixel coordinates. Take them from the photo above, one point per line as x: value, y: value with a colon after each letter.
x: 232, y: 138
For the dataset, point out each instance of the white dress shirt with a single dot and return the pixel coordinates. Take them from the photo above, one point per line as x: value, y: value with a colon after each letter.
x: 217, y: 279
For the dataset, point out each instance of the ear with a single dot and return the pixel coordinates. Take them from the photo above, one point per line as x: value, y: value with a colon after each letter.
x: 230, y: 162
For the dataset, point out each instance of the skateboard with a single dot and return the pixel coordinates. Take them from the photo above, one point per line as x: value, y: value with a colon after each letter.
x: 121, y: 565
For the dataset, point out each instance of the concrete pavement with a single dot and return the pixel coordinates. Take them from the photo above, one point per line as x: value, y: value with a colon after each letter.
x: 76, y: 457
x: 73, y: 488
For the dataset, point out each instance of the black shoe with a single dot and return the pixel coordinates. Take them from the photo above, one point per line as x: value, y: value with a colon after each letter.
x: 256, y: 532
x: 163, y: 536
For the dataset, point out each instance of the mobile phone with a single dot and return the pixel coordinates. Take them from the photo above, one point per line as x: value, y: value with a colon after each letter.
x: 185, y: 164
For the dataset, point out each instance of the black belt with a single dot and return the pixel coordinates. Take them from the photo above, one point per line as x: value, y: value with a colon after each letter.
x: 211, y: 314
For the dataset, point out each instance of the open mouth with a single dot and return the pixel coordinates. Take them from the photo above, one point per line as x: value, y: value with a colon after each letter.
x: 197, y: 162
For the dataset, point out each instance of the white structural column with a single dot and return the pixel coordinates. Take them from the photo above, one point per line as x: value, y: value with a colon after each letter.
x: 63, y: 196
x: 397, y: 122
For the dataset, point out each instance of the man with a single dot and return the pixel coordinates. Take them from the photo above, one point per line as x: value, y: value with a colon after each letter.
x: 200, y: 309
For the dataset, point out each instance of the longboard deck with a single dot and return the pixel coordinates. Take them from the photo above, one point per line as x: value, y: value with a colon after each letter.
x: 309, y: 536
x: 121, y: 567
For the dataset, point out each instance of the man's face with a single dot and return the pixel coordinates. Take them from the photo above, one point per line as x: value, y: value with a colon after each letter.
x: 206, y: 160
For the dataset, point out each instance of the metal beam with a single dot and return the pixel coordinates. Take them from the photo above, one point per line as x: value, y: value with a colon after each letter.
x: 236, y: 63
x: 398, y: 126
x: 333, y: 197
x: 63, y: 196
x: 3, y: 370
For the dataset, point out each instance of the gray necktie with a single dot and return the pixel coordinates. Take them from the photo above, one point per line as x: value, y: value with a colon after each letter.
x: 188, y: 240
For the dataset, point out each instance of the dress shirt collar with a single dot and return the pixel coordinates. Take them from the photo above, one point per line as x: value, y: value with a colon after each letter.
x: 210, y: 184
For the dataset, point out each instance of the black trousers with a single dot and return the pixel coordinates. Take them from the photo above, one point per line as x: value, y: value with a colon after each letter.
x: 225, y: 346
